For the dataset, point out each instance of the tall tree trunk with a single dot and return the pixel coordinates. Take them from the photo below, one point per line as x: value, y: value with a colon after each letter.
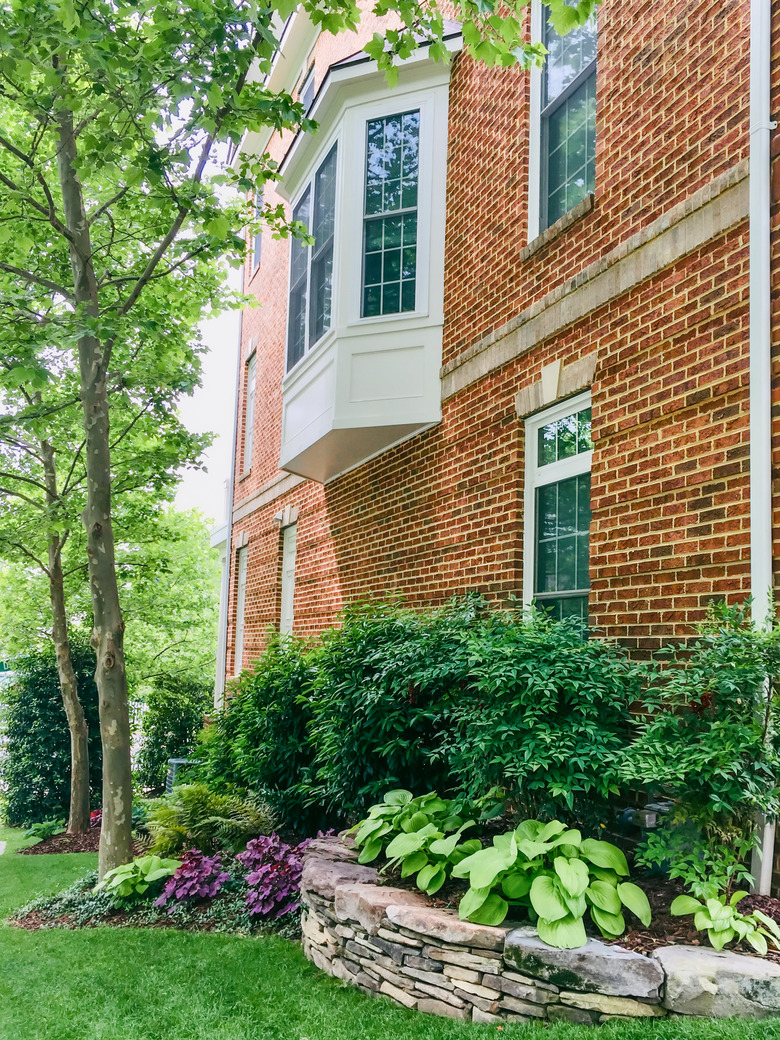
x: 78, y: 818
x: 108, y: 632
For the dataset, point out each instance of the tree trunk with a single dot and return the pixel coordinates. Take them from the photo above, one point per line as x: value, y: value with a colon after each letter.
x: 78, y: 819
x: 108, y: 632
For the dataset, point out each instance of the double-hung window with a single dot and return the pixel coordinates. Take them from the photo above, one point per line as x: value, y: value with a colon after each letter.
x: 390, y: 214
x: 311, y: 267
x: 557, y: 508
x: 249, y: 413
x: 568, y: 120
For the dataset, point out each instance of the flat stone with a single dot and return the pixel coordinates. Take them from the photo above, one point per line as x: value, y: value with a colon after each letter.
x: 444, y: 925
x: 523, y: 1007
x: 455, y: 971
x: 344, y: 932
x: 463, y: 958
x: 393, y: 936
x: 482, y: 1003
x: 400, y: 996
x: 440, y: 994
x: 323, y: 876
x: 526, y: 980
x: 701, y: 981
x: 367, y: 904
x: 522, y: 991
x: 476, y: 989
x: 366, y: 982
x: 561, y: 1013
x: 438, y: 1007
x: 423, y: 963
x: 340, y: 970
x: 594, y: 967
x: 612, y: 1005
x: 331, y: 848
x: 434, y: 978
x: 478, y: 1015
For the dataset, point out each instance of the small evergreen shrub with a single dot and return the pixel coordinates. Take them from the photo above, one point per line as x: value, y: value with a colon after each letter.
x: 172, y: 718
x: 544, y: 714
x: 260, y: 741
x: 194, y: 815
x: 35, y: 764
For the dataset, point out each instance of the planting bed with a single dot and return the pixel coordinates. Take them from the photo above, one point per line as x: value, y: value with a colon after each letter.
x: 391, y: 941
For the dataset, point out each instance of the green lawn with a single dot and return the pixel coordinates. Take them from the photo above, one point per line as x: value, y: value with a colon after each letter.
x: 131, y: 984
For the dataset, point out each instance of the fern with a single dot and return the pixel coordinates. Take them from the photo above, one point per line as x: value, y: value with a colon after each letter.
x: 195, y: 816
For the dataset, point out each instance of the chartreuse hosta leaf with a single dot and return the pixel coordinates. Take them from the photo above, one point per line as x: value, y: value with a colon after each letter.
x: 604, y: 896
x: 567, y: 933
x: 546, y: 899
x: 604, y: 854
x: 723, y: 922
x: 610, y: 925
x: 633, y: 898
x: 573, y: 874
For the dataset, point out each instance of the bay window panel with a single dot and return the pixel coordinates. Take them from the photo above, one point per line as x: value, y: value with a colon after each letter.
x: 299, y: 286
x: 389, y: 241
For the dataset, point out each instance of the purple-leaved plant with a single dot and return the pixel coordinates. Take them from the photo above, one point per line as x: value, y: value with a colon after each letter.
x: 274, y: 876
x: 198, y: 877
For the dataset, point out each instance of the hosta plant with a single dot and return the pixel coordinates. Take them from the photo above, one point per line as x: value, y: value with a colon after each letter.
x: 723, y: 922
x: 557, y: 877
x: 420, y: 835
x: 134, y: 879
x: 45, y: 829
x: 196, y: 877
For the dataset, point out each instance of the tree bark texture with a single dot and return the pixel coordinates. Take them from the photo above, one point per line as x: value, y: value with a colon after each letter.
x: 108, y: 631
x: 78, y: 817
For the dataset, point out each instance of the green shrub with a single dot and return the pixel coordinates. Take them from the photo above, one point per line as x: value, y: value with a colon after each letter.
x: 705, y: 867
x: 194, y: 816
x: 709, y: 738
x: 142, y: 877
x: 35, y: 766
x: 260, y: 741
x: 45, y: 829
x: 545, y: 714
x: 384, y: 684
x: 723, y: 922
x: 172, y: 718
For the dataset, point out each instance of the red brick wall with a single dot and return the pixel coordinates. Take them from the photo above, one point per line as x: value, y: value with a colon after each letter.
x: 442, y: 513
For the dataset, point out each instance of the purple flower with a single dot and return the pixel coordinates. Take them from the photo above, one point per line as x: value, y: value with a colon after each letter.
x: 198, y: 877
x: 274, y: 876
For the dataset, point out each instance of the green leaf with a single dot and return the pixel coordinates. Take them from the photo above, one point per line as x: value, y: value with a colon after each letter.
x: 472, y: 901
x: 404, y: 844
x: 547, y: 900
x: 768, y: 922
x: 604, y: 854
x: 370, y: 851
x: 719, y: 939
x: 736, y: 897
x: 573, y: 875
x: 416, y: 822
x: 684, y: 905
x: 414, y: 862
x: 758, y: 942
x: 610, y: 925
x: 492, y: 912
x: 634, y: 899
x: 399, y: 797
x: 431, y: 878
x: 604, y: 896
x: 516, y: 886
x: 568, y: 933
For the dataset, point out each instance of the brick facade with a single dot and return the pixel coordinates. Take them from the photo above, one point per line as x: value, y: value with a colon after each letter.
x: 651, y: 278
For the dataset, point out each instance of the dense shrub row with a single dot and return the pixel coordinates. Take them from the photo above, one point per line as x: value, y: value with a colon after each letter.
x: 462, y: 699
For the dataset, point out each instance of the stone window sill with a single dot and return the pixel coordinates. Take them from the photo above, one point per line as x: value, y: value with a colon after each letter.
x: 561, y: 224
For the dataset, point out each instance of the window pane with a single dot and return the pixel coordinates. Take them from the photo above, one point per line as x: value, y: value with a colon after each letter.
x: 571, y: 148
x: 323, y: 225
x: 567, y: 56
x: 392, y: 168
x: 564, y: 438
x: 562, y: 544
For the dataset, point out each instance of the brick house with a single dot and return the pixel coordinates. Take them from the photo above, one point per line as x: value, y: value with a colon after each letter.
x: 519, y: 357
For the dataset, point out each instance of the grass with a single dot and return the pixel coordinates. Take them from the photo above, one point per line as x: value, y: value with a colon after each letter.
x: 133, y: 984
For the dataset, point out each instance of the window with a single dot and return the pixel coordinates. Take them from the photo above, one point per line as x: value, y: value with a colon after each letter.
x: 243, y: 559
x: 390, y: 214
x: 568, y: 120
x: 557, y: 508
x: 306, y: 93
x: 258, y: 239
x: 249, y: 415
x: 311, y: 267
x: 289, y: 538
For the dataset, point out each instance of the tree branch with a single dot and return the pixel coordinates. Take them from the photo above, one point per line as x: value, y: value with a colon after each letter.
x: 28, y: 276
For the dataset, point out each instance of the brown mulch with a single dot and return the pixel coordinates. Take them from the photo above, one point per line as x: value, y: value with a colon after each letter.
x: 89, y: 842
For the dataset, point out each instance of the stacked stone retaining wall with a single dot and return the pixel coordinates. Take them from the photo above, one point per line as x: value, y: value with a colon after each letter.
x: 389, y: 941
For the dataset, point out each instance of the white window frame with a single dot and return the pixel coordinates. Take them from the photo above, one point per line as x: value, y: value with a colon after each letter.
x: 537, y: 476
x: 287, y: 605
x: 308, y: 185
x: 257, y: 240
x: 535, y: 228
x: 249, y: 414
x: 306, y: 84
x: 242, y: 568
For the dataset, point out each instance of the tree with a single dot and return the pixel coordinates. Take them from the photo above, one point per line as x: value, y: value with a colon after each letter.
x: 128, y: 101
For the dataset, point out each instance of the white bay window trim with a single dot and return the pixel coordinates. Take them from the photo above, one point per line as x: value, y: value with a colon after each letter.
x: 537, y: 476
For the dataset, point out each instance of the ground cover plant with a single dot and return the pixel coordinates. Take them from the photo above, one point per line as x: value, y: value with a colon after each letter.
x: 149, y: 984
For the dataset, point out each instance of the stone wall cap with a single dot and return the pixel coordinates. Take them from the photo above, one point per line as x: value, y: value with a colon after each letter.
x: 322, y: 876
x: 701, y: 981
x: 368, y: 904
x: 447, y: 927
x: 595, y: 967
